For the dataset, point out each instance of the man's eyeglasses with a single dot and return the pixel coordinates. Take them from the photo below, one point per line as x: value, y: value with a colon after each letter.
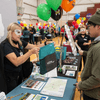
x: 89, y: 26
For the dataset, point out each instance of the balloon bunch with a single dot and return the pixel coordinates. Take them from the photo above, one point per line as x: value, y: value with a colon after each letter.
x: 54, y: 9
x: 30, y: 25
x: 79, y: 20
x: 45, y: 26
x: 39, y: 26
x: 75, y: 24
x: 22, y: 23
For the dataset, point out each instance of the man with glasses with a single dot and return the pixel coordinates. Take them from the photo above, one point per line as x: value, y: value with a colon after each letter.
x: 90, y: 77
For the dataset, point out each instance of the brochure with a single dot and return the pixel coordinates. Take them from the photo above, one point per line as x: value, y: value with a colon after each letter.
x: 40, y: 97
x: 70, y: 73
x: 33, y: 84
x: 70, y: 67
x: 27, y: 96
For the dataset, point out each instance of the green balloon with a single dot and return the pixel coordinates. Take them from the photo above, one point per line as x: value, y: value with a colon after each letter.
x: 44, y: 12
x: 37, y: 29
x: 54, y: 4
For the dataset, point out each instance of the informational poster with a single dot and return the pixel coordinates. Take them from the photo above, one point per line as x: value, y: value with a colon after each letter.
x: 55, y: 87
x: 1, y: 27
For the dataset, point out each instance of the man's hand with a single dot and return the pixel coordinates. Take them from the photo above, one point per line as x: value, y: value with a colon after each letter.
x: 77, y: 87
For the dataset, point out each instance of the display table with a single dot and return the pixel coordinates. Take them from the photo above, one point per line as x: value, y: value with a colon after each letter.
x: 68, y: 94
x: 76, y: 64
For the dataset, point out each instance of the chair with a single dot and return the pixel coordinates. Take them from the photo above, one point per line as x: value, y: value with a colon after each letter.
x: 3, y: 86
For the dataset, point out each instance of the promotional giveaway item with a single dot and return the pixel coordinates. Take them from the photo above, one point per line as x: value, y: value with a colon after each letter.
x: 48, y: 61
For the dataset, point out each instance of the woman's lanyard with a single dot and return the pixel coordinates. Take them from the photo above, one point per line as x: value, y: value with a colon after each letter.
x: 21, y: 49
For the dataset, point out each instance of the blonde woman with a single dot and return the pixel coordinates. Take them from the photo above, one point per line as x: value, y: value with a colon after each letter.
x: 14, y: 57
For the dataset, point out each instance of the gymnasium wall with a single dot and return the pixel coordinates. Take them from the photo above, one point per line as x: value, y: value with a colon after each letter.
x: 8, y: 14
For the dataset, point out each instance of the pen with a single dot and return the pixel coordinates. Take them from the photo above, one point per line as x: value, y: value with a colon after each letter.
x: 33, y: 96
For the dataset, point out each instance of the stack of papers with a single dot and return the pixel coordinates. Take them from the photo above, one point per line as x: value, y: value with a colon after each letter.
x: 33, y: 84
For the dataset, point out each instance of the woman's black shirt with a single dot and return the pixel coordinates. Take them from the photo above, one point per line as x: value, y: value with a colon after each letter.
x: 81, y: 40
x: 8, y: 48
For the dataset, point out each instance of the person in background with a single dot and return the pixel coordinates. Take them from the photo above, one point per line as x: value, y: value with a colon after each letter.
x: 26, y: 34
x: 90, y: 77
x: 76, y: 32
x: 83, y: 40
x: 34, y: 30
x: 14, y: 56
x: 42, y: 33
x: 72, y: 32
x: 52, y: 32
x: 31, y: 35
x: 62, y: 31
x: 57, y: 33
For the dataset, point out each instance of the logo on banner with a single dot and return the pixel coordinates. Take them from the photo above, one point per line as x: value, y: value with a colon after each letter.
x: 88, y: 15
x: 50, y: 62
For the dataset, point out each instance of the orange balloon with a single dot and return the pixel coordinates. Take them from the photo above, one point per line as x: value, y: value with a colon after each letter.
x: 68, y: 5
x: 80, y: 18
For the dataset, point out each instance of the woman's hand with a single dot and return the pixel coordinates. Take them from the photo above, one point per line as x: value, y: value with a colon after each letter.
x: 81, y: 52
x: 35, y: 50
x: 40, y: 45
x: 85, y: 43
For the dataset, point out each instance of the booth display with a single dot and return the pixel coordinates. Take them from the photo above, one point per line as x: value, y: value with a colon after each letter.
x: 67, y: 95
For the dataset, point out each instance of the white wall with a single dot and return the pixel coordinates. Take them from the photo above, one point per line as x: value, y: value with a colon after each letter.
x: 32, y: 2
x: 29, y: 9
x: 8, y: 13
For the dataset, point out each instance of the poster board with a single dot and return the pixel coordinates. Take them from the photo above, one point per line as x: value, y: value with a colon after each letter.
x: 71, y: 41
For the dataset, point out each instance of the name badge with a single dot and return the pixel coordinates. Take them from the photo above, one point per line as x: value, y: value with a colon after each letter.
x: 21, y: 53
x: 85, y: 39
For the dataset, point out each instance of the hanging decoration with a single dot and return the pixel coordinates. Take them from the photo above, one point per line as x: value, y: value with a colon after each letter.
x: 54, y: 4
x: 44, y: 12
x: 56, y: 15
x: 68, y: 5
